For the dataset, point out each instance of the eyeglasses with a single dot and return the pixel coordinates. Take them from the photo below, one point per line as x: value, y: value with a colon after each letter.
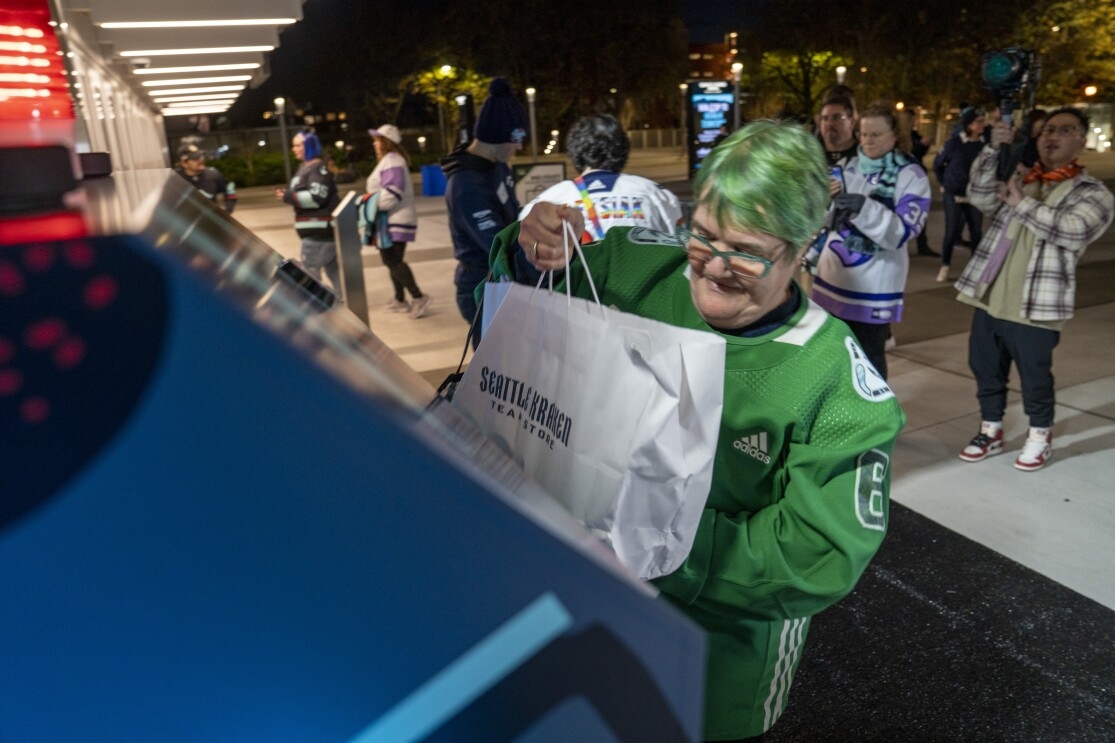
x: 1065, y: 130
x: 743, y: 265
x: 833, y: 118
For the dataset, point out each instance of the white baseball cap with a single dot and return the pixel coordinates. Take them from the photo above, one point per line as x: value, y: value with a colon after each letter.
x: 388, y: 130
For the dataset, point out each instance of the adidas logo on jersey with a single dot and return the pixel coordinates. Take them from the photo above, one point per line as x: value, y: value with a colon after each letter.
x: 754, y: 446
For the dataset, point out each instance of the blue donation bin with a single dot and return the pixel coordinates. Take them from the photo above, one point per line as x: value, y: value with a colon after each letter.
x: 433, y: 180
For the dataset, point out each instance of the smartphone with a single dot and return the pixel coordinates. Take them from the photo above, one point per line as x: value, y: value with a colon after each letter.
x: 292, y: 271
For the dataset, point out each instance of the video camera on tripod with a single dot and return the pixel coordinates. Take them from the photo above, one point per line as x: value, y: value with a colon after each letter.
x: 1012, y: 74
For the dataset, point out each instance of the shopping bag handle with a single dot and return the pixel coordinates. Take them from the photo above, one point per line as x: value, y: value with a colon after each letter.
x: 569, y: 237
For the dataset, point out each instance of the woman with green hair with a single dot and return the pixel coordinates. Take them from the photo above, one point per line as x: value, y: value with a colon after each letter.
x: 799, y: 497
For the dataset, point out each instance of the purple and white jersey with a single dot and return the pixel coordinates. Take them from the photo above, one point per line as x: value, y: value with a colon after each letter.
x: 862, y: 261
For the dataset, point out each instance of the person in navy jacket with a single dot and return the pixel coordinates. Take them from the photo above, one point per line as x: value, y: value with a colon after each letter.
x: 480, y: 191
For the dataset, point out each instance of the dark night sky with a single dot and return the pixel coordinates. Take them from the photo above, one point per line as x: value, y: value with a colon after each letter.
x: 709, y: 20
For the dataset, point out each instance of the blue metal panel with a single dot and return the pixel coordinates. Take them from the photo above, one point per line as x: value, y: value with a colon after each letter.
x: 257, y: 549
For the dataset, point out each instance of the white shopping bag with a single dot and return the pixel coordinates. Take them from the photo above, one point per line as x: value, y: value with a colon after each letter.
x: 615, y: 415
x: 494, y: 292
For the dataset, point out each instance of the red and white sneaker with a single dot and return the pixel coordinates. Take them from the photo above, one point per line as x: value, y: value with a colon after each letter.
x: 984, y: 445
x: 1035, y: 452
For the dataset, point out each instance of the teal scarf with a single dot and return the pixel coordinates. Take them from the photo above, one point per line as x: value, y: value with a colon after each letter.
x: 887, y: 166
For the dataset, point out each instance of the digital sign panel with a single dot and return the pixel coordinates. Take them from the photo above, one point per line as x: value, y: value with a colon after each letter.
x: 709, y: 105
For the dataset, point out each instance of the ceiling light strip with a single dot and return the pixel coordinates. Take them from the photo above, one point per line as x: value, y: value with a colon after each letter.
x: 207, y: 97
x: 197, y: 68
x: 206, y: 89
x: 192, y: 111
x: 202, y: 50
x: 200, y: 24
x: 195, y: 81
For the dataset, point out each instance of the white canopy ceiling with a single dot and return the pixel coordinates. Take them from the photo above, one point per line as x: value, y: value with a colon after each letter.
x: 162, y: 41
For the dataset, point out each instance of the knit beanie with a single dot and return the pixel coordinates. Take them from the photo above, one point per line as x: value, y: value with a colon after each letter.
x: 311, y: 144
x: 501, y: 118
x: 968, y: 115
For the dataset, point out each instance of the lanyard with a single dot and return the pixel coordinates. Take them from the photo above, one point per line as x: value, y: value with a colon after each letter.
x: 590, y: 209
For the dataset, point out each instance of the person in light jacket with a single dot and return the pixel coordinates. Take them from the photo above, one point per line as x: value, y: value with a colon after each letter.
x: 391, y: 180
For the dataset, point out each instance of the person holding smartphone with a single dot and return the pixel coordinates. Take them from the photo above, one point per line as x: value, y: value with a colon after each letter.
x: 861, y: 258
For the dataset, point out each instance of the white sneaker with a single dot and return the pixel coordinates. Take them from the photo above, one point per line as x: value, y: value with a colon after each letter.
x: 1035, y: 452
x: 418, y: 309
x: 943, y: 274
x: 987, y: 443
x: 397, y: 306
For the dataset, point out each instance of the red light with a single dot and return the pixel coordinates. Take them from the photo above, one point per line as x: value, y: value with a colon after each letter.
x: 11, y: 280
x: 33, y: 82
x: 38, y: 258
x: 34, y: 410
x: 11, y: 380
x: 79, y: 255
x: 45, y: 228
x: 44, y: 334
x: 100, y: 292
x: 69, y: 353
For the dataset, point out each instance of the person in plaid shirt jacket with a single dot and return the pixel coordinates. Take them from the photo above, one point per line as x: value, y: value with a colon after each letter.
x: 1022, y: 278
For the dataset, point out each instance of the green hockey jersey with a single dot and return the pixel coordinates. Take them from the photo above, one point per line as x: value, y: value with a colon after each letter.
x: 800, y: 492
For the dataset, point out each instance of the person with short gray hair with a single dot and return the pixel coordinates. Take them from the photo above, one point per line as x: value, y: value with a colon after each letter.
x: 607, y: 197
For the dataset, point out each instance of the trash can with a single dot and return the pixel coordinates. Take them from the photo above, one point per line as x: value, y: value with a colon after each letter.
x: 433, y: 180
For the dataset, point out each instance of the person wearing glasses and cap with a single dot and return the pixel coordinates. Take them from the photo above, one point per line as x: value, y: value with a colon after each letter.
x: 799, y: 499
x: 480, y: 191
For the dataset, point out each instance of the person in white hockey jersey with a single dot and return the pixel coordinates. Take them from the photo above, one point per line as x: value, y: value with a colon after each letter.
x: 880, y: 202
x: 607, y: 197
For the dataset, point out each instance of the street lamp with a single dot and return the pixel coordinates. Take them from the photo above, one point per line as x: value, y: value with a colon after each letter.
x: 841, y: 71
x: 737, y: 67
x: 442, y: 73
x: 531, y: 92
x: 683, y: 124
x: 280, y: 111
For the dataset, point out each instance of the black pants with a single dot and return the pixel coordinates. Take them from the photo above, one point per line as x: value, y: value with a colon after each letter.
x: 992, y: 345
x: 467, y: 278
x: 956, y: 216
x: 401, y: 276
x: 873, y: 340
x: 923, y: 243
